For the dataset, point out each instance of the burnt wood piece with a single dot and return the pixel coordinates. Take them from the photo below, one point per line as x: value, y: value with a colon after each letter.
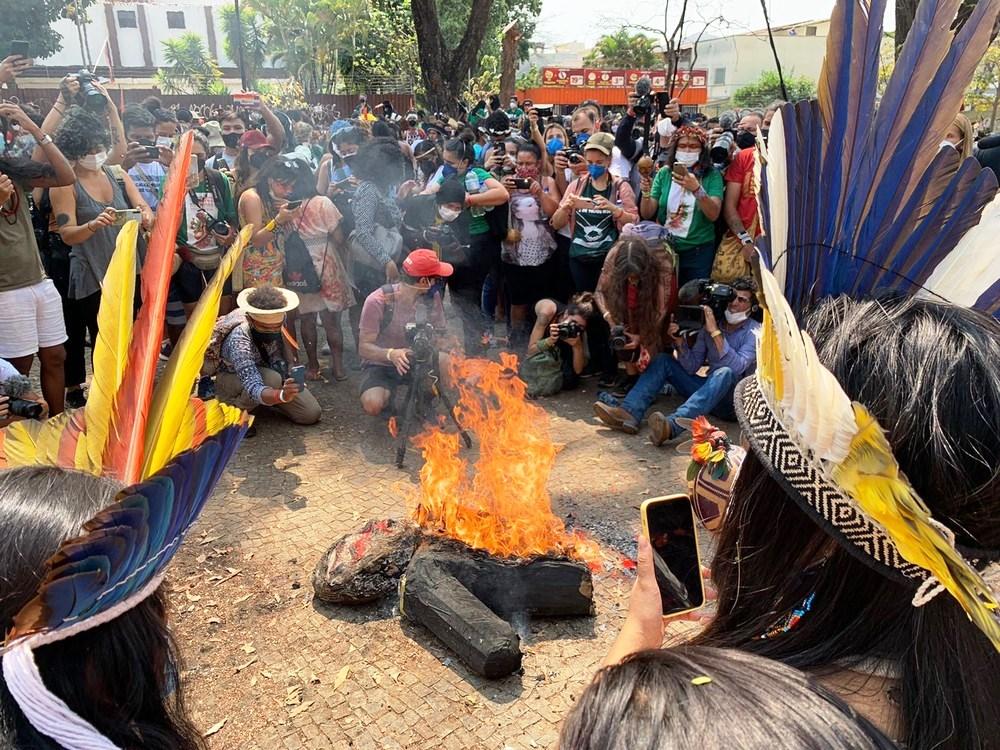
x: 365, y: 565
x: 462, y: 596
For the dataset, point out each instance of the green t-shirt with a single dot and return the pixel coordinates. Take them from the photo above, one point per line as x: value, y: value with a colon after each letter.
x: 687, y: 224
x: 594, y: 229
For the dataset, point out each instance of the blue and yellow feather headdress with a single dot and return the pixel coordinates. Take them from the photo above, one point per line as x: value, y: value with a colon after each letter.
x: 858, y: 197
x: 167, y: 446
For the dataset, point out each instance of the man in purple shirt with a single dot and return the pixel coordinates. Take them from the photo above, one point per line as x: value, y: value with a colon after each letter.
x: 729, y: 350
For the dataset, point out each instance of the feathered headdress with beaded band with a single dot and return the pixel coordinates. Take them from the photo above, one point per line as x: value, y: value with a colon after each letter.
x: 170, y: 447
x: 858, y: 197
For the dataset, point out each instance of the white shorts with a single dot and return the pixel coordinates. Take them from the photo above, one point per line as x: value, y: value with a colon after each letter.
x: 31, y: 318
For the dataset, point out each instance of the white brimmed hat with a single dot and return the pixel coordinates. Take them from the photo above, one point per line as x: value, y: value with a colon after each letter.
x: 275, y: 315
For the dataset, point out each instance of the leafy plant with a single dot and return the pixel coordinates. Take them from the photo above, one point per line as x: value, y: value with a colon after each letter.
x: 623, y: 50
x: 190, y: 68
x: 530, y: 79
x: 31, y: 21
x: 767, y: 89
x: 251, y: 34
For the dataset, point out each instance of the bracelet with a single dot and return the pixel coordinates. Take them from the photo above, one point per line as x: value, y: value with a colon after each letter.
x: 745, y: 238
x: 388, y: 355
x: 271, y: 225
x: 607, y: 315
x: 700, y: 193
x: 715, y: 333
x: 281, y: 396
x: 45, y: 140
x: 647, y: 195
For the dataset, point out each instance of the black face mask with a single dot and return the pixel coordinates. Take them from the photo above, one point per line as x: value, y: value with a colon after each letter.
x: 258, y: 160
x: 201, y: 163
x: 745, y: 139
x: 232, y: 140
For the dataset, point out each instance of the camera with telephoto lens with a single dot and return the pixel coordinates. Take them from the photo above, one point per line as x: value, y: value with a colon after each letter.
x: 443, y: 235
x: 569, y: 329
x: 15, y: 387
x: 618, y: 338
x: 90, y: 97
x: 420, y: 337
x: 721, y: 148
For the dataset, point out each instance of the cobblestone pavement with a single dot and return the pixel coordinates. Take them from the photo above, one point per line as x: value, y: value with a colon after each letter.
x: 266, y: 666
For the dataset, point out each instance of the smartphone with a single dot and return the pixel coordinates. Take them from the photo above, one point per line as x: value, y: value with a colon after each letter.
x: 544, y: 111
x: 125, y: 215
x: 690, y: 317
x: 193, y: 166
x: 292, y: 205
x: 680, y: 171
x: 19, y: 48
x: 298, y: 374
x: 152, y: 152
x: 522, y: 183
x: 669, y: 524
x: 247, y: 100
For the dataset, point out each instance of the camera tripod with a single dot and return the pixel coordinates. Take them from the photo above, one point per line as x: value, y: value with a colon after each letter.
x: 424, y: 388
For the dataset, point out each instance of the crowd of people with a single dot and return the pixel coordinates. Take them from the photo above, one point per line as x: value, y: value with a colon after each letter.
x: 619, y: 247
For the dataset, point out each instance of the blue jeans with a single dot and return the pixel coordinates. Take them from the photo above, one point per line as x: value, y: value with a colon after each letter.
x: 709, y: 395
x: 695, y: 263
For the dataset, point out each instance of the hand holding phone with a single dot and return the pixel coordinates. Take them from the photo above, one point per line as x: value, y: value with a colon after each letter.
x: 298, y: 374
x: 680, y: 171
x: 669, y: 524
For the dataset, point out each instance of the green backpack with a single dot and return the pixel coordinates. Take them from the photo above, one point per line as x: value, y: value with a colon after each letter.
x: 542, y: 373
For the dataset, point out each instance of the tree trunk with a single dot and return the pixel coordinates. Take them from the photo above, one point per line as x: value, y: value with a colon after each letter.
x: 906, y: 11
x: 508, y: 60
x: 443, y: 71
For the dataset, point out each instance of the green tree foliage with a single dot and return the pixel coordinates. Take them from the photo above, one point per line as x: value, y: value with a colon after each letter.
x: 454, y: 14
x: 190, y: 68
x: 383, y: 54
x: 530, y: 79
x: 623, y: 50
x: 767, y: 88
x: 251, y: 34
x: 983, y: 96
x: 31, y: 21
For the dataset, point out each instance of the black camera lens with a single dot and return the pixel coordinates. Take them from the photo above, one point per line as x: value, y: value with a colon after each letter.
x: 220, y: 226
x: 19, y: 407
x: 618, y: 338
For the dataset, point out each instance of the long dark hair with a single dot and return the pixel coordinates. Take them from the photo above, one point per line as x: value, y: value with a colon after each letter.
x: 380, y: 162
x: 635, y: 256
x: 694, y: 697
x: 116, y: 675
x: 704, y: 165
x: 283, y: 168
x: 928, y: 372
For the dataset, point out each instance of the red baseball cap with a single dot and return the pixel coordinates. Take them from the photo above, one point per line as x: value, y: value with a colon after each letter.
x: 424, y: 262
x: 253, y: 139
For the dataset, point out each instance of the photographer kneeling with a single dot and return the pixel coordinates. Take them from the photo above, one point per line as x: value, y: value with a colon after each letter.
x: 254, y: 355
x: 383, y: 345
x: 556, y: 356
x: 729, y: 351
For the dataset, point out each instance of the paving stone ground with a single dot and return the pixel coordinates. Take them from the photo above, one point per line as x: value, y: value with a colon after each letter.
x: 278, y: 669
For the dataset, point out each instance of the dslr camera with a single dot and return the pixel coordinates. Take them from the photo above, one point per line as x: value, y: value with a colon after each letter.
x: 420, y: 337
x: 618, y: 338
x: 569, y: 329
x: 89, y: 95
x: 15, y: 387
x: 572, y: 153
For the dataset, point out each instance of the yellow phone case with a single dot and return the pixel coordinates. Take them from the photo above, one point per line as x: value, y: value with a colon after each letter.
x: 697, y: 546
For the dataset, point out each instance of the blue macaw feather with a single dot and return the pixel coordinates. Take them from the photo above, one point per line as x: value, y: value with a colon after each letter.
x: 128, y: 544
x: 872, y: 201
x: 989, y: 301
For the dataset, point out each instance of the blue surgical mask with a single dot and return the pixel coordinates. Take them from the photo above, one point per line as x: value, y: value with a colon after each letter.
x: 556, y: 144
x: 448, y: 170
x: 596, y: 171
x: 582, y: 138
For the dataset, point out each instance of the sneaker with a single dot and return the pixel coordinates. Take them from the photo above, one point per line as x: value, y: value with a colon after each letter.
x: 76, y: 398
x: 166, y: 348
x: 660, y: 430
x: 607, y: 381
x: 624, y: 384
x: 616, y: 418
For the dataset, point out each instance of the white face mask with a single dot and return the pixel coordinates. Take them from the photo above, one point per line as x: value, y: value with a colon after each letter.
x: 448, y: 214
x: 736, y: 318
x: 687, y: 158
x: 946, y: 143
x: 94, y: 162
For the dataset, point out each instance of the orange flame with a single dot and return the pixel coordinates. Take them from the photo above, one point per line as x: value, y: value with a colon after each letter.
x: 502, y: 505
x: 393, y: 427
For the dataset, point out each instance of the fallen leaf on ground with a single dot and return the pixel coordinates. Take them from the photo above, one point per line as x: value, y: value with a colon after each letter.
x: 294, y: 695
x: 241, y: 667
x: 215, y: 728
x: 341, y: 676
x: 248, y: 648
x: 209, y: 540
x: 300, y: 708
x: 192, y: 597
x: 242, y: 599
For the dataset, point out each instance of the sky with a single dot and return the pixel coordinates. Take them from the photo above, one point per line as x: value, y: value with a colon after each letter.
x: 586, y: 20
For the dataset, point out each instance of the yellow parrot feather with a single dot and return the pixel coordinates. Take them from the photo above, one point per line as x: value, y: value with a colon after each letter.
x: 170, y: 398
x: 870, y: 475
x: 114, y: 322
